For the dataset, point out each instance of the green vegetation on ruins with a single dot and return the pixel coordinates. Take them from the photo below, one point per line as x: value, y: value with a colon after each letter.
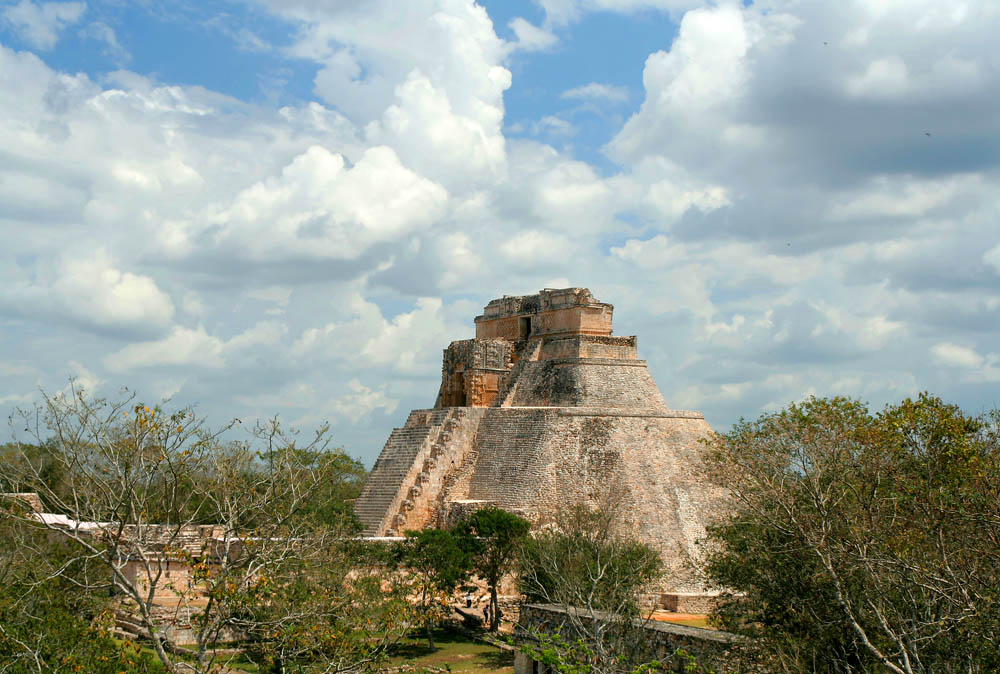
x: 855, y: 542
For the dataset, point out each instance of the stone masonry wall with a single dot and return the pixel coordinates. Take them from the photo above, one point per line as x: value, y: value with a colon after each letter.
x: 577, y: 382
x: 589, y: 346
x: 509, y: 454
x: 538, y: 461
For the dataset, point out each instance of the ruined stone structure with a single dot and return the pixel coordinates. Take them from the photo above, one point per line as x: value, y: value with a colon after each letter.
x: 544, y: 408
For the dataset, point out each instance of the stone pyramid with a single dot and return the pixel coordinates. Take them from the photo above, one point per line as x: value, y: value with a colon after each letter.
x: 545, y: 409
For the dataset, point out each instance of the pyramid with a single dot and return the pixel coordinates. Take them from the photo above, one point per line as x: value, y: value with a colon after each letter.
x: 545, y: 409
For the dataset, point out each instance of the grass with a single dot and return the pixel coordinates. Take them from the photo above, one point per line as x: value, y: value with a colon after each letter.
x: 693, y: 622
x: 455, y: 652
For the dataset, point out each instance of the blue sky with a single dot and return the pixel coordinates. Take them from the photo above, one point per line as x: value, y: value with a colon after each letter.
x: 291, y: 207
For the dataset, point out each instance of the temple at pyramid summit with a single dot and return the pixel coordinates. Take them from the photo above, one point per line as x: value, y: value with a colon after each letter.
x: 545, y: 409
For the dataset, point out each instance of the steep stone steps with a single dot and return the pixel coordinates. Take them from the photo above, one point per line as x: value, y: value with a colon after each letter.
x: 389, y: 474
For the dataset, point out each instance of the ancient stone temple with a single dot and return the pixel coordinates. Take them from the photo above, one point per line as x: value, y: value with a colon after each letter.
x: 544, y: 409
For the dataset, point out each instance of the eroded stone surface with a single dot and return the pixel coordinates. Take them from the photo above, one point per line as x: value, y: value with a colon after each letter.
x: 545, y: 409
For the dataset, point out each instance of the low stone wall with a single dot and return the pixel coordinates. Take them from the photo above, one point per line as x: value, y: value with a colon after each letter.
x: 689, y: 602
x: 710, y: 648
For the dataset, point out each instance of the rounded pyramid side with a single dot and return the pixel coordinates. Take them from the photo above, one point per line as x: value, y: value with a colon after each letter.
x: 647, y: 466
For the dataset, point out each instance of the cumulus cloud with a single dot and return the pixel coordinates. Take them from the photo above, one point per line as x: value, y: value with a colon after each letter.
x: 362, y: 401
x: 408, y: 342
x: 564, y: 12
x: 182, y: 347
x: 192, y: 347
x: 804, y: 202
x: 40, y: 24
x: 319, y: 207
x: 88, y: 289
x: 432, y: 137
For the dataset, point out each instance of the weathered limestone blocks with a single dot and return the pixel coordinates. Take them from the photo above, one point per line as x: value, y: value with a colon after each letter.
x: 543, y: 410
x: 550, y: 312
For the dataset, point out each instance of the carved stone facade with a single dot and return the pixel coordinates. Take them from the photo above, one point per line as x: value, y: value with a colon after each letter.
x: 543, y: 409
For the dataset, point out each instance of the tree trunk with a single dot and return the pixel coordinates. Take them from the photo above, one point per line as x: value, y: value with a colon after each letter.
x: 430, y: 637
x: 494, y: 606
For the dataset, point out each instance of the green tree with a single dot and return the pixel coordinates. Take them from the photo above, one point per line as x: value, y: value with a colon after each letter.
x: 494, y: 536
x: 586, y: 567
x: 862, y: 542
x: 138, y: 478
x: 46, y: 623
x: 439, y: 562
x: 349, y: 607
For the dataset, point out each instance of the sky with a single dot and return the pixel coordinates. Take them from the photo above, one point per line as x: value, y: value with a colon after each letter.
x: 290, y: 207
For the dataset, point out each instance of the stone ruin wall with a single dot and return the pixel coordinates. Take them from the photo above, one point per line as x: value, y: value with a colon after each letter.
x: 474, y: 371
x: 539, y: 461
x: 574, y: 382
x: 542, y: 410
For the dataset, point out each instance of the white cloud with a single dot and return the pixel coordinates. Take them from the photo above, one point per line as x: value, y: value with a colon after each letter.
x: 40, y: 24
x: 320, y: 208
x: 564, y: 12
x: 409, y: 342
x: 83, y: 379
x: 406, y: 341
x: 992, y: 257
x: 767, y: 231
x: 597, y: 91
x: 553, y: 125
x: 456, y: 150
x: 361, y: 401
x: 88, y: 288
x: 183, y: 347
x: 93, y: 289
x: 954, y: 355
x: 535, y: 248
x: 530, y: 37
x: 193, y: 347
x: 902, y: 195
x: 705, y: 71
x: 883, y: 78
x: 367, y: 54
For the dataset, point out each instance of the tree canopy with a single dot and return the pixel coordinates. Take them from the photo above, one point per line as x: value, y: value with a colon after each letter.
x: 439, y: 560
x: 586, y: 566
x: 862, y: 541
x: 495, y: 537
x: 276, y: 565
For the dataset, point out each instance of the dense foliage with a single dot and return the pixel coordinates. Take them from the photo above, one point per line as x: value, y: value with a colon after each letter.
x: 583, y: 562
x: 862, y: 542
x: 496, y: 536
x: 277, y: 564
x: 586, y: 566
x: 46, y: 624
x: 438, y: 560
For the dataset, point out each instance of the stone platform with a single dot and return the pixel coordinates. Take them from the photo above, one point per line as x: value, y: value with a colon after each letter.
x: 542, y: 411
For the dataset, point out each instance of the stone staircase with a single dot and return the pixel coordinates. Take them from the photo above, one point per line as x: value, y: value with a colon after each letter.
x: 528, y: 354
x: 387, y: 490
x: 421, y: 508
